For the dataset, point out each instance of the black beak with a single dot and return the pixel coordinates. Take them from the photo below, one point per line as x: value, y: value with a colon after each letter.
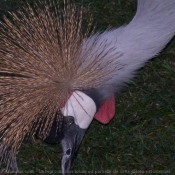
x: 70, y: 137
x: 70, y: 143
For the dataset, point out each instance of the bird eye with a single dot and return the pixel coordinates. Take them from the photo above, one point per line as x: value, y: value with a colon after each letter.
x: 69, y: 120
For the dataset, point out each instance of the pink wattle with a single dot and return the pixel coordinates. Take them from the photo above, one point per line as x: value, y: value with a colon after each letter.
x: 106, y: 111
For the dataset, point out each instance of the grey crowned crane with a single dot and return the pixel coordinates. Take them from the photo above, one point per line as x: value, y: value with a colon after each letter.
x: 55, y: 77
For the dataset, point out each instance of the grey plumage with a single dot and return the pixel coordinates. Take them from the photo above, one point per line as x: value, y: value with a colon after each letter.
x: 142, y: 39
x: 45, y: 57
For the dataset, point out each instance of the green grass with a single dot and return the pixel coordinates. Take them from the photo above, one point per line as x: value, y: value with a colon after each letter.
x: 141, y: 137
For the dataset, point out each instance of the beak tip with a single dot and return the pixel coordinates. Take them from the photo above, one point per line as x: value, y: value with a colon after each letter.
x: 67, y: 161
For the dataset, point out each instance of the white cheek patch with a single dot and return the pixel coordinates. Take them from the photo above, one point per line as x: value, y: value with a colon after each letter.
x: 81, y: 107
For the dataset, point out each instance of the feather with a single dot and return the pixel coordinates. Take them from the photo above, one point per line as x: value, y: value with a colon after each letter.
x: 143, y: 38
x: 45, y: 56
x: 39, y: 52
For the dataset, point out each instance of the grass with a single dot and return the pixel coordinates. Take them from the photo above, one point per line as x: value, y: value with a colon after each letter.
x: 141, y: 137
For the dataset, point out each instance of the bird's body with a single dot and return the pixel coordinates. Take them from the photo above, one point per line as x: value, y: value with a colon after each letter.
x: 53, y: 75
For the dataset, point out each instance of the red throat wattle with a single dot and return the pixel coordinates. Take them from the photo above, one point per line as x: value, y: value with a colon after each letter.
x: 106, y: 111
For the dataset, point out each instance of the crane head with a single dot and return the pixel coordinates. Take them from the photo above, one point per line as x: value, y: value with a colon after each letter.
x: 78, y: 113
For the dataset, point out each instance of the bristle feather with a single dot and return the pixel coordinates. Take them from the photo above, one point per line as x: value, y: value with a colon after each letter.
x: 43, y: 61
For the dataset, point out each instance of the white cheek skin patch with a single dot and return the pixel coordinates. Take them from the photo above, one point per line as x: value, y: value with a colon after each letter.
x: 81, y: 107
